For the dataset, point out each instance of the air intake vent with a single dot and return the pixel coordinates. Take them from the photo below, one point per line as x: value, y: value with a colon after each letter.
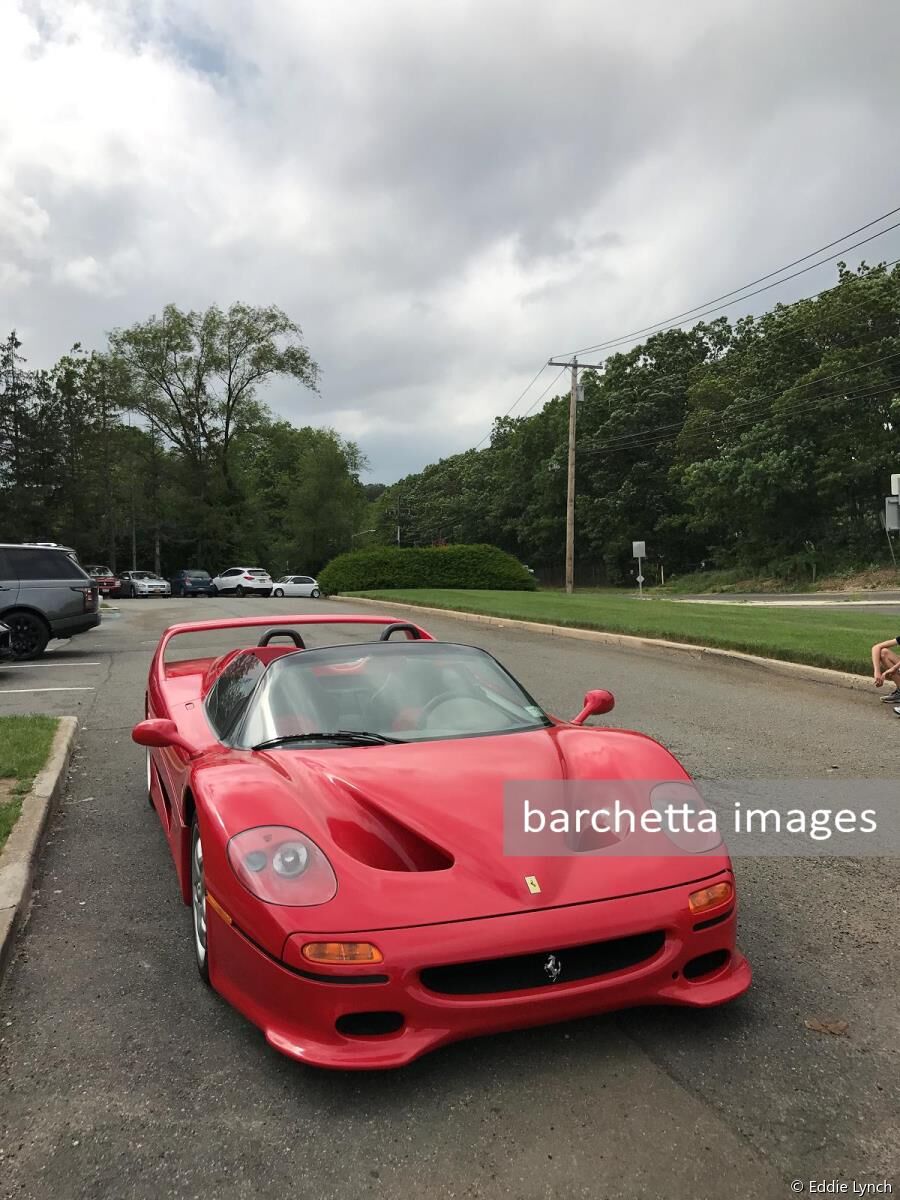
x: 547, y: 969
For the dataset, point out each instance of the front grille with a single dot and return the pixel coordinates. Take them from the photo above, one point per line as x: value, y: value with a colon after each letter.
x: 546, y: 969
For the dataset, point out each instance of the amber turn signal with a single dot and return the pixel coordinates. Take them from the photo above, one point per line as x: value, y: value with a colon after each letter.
x: 710, y: 897
x: 342, y: 952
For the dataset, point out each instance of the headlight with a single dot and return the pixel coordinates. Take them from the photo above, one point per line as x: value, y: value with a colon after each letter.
x: 290, y: 860
x: 281, y: 865
x: 688, y: 821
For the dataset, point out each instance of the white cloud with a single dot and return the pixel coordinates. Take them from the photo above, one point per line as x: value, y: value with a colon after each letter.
x: 442, y: 196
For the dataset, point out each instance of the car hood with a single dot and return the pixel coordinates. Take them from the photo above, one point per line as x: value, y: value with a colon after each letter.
x: 416, y: 832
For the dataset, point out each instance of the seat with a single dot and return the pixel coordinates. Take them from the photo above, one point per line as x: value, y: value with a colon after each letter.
x: 398, y: 700
x: 307, y: 710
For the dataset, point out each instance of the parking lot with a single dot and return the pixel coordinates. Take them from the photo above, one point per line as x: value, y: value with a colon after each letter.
x: 64, y: 680
x: 121, y: 1076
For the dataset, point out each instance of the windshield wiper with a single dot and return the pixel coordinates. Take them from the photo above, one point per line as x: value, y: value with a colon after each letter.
x: 338, y: 735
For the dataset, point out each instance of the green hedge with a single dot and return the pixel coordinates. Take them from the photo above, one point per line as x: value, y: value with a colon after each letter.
x: 427, y: 566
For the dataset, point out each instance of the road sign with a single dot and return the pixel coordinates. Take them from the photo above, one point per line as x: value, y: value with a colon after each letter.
x: 639, y: 550
x: 892, y: 512
x: 895, y: 485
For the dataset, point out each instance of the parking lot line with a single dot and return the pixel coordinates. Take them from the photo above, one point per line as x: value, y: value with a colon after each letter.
x: 22, y: 691
x: 30, y: 666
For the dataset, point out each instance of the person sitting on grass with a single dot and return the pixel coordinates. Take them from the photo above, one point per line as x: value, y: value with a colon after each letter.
x: 886, y: 665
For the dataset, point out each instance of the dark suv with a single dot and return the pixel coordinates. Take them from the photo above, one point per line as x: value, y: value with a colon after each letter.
x: 44, y: 594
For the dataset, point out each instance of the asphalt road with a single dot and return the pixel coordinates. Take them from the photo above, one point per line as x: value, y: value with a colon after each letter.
x: 121, y: 1076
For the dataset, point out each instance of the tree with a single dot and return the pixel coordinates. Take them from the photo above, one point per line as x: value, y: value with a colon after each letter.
x: 196, y: 375
x: 304, y: 495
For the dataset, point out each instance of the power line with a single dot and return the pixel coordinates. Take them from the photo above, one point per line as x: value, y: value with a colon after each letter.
x: 518, y: 399
x: 773, y: 338
x: 752, y: 418
x: 621, y: 441
x: 544, y: 392
x: 717, y: 422
x: 671, y: 322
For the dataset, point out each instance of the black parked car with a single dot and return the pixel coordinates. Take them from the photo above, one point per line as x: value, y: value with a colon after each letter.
x: 192, y: 583
x: 44, y: 594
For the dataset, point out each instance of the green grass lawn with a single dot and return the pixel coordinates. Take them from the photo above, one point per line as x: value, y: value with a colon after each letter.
x: 24, y: 745
x: 838, y: 639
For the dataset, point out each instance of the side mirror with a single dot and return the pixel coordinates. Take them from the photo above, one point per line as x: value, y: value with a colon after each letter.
x: 595, y: 702
x: 161, y: 732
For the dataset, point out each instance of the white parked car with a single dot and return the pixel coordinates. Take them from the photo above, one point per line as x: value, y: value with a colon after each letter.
x: 296, y: 585
x: 143, y: 583
x: 243, y: 581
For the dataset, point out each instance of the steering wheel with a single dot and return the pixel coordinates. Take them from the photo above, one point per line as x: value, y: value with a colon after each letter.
x: 435, y: 702
x: 289, y: 633
x: 445, y: 697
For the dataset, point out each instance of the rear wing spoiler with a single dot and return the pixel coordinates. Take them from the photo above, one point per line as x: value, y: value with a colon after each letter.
x: 276, y: 621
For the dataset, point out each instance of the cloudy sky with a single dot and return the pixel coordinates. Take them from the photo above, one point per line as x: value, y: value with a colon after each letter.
x: 444, y: 194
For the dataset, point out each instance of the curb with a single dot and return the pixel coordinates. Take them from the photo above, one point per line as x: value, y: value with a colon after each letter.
x: 19, y: 856
x: 625, y: 641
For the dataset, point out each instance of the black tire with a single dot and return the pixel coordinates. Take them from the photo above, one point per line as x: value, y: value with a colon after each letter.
x: 198, y: 904
x: 149, y: 772
x: 29, y: 635
x: 315, y: 593
x: 213, y: 591
x: 278, y: 592
x: 147, y: 752
x: 239, y: 591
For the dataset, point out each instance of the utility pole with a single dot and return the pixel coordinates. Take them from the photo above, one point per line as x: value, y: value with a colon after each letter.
x: 570, y: 486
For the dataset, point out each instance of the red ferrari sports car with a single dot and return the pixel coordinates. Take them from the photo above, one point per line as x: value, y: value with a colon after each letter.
x: 335, y: 813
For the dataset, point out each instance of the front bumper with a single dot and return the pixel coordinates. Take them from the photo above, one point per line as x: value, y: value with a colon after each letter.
x: 298, y: 1012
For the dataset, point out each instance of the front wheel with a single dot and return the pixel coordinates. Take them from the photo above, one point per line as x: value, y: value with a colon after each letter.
x: 198, y: 902
x: 278, y: 592
x: 315, y: 593
x: 149, y: 780
x: 29, y: 635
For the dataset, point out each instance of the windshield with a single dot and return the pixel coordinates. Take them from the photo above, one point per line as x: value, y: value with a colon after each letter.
x: 256, y: 571
x: 408, y: 691
x: 197, y: 574
x: 100, y: 571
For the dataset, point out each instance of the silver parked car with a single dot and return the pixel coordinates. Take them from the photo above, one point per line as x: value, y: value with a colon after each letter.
x: 44, y: 594
x: 143, y: 583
